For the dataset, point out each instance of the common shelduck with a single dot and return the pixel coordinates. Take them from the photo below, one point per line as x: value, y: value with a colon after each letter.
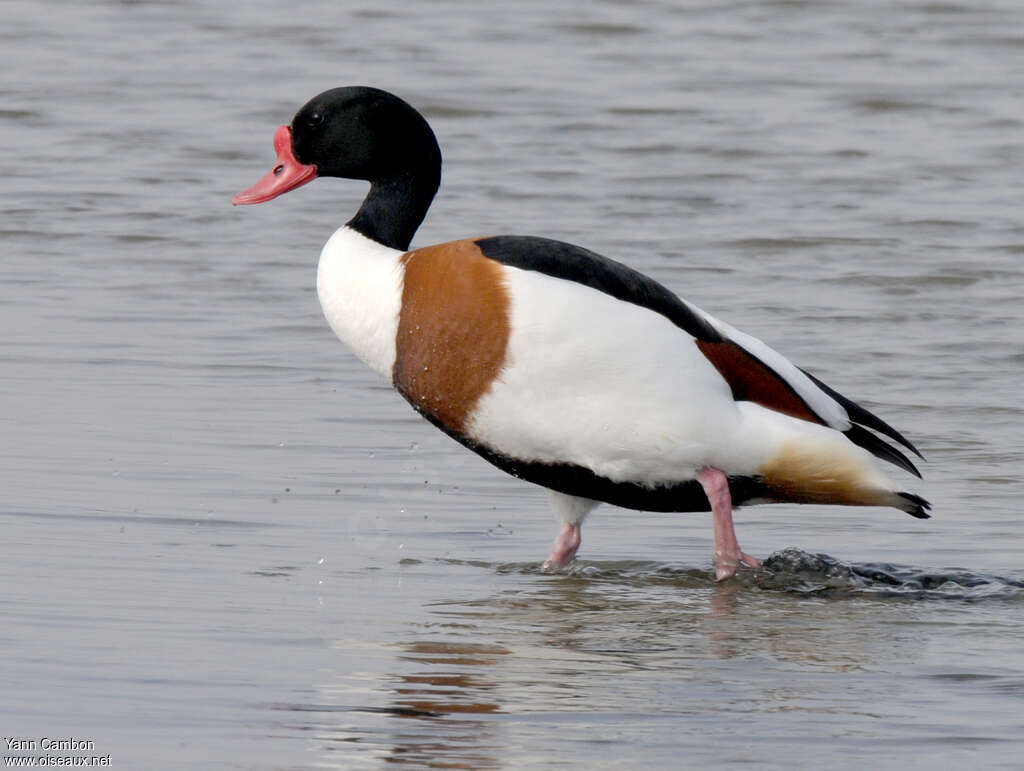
x: 563, y: 367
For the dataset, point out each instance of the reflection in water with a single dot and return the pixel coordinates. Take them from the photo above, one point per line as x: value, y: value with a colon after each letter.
x: 444, y: 691
x: 721, y: 608
x: 673, y: 642
x: 449, y: 678
x: 424, y: 703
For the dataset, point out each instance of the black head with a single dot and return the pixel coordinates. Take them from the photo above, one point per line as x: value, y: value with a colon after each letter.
x: 360, y: 132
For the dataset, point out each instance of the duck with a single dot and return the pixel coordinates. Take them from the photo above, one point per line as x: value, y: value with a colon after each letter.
x: 560, y: 366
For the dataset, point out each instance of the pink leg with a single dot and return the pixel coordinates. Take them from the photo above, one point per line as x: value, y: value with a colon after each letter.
x: 564, y: 548
x: 728, y: 555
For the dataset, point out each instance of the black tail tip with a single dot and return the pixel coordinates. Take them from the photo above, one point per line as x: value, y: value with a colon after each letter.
x: 915, y: 505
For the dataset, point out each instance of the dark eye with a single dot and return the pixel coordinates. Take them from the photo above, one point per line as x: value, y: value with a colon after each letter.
x: 314, y: 119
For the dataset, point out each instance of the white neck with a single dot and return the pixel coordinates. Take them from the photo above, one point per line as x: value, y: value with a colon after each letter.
x: 359, y: 282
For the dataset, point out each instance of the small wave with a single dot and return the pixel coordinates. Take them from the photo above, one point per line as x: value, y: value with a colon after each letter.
x: 794, y: 570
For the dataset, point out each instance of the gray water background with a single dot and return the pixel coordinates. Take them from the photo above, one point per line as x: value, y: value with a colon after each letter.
x: 227, y: 545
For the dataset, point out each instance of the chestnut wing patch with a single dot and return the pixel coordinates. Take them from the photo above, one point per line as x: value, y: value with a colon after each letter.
x: 749, y: 377
x: 751, y: 380
x: 453, y: 331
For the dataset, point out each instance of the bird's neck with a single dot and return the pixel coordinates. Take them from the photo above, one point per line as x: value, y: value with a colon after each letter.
x: 395, y: 207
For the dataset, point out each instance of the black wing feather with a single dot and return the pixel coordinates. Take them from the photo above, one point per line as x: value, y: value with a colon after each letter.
x: 860, y: 415
x: 880, y: 449
x: 574, y: 263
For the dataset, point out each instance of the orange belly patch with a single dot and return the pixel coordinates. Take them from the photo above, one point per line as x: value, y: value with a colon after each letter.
x: 818, y: 473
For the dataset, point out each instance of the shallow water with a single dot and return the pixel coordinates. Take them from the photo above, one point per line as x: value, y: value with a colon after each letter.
x: 229, y: 546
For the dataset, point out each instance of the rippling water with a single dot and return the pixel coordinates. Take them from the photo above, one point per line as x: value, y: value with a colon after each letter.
x: 229, y: 546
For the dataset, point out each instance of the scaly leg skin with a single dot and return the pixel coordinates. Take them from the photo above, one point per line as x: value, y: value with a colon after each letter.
x: 728, y: 555
x: 570, y: 510
x: 564, y: 548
